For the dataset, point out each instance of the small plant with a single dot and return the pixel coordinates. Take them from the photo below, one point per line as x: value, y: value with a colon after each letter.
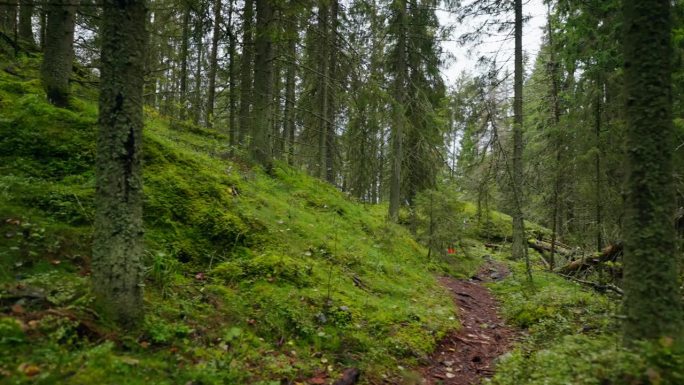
x: 161, y: 270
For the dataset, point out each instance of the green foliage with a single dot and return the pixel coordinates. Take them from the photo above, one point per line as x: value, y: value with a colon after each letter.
x: 440, y: 219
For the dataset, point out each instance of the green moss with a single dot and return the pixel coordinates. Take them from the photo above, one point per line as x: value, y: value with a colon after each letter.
x: 250, y: 278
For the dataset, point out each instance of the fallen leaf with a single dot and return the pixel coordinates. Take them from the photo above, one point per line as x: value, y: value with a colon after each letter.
x: 316, y: 380
x: 18, y: 309
x: 29, y: 369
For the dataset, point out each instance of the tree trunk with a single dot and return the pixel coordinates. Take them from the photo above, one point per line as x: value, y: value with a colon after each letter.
x: 43, y: 25
x: 185, y: 36
x: 197, y: 102
x: 597, y: 132
x: 330, y: 118
x: 290, y: 94
x: 8, y: 18
x: 554, y: 69
x: 652, y: 304
x: 276, y: 118
x: 246, y: 72
x: 519, y: 245
x: 118, y: 238
x: 323, y: 84
x: 232, y: 106
x: 398, y: 126
x: 263, y: 85
x: 213, y: 64
x: 26, y: 8
x: 59, y: 51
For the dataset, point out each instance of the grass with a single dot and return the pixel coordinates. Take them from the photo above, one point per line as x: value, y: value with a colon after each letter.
x: 251, y: 278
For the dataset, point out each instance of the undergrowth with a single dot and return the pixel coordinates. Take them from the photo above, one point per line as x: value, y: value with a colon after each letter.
x: 571, y: 335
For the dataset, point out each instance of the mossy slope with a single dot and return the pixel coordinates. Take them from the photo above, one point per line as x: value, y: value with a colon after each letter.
x: 252, y: 278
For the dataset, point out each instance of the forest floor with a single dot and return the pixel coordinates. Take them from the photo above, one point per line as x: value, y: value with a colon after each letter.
x: 467, y: 356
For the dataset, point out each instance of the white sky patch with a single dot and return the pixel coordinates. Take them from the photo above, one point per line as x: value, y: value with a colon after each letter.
x: 464, y: 58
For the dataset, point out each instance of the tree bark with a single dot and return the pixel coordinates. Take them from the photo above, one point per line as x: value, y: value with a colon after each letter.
x: 43, y: 25
x: 185, y: 36
x: 213, y: 64
x: 652, y: 304
x: 323, y: 84
x: 554, y: 69
x: 118, y: 237
x: 25, y: 30
x: 246, y: 72
x: 598, y: 198
x: 232, y: 106
x: 8, y: 18
x: 263, y: 85
x: 519, y: 247
x: 199, y: 43
x: 59, y: 51
x: 332, y: 95
x: 289, y: 124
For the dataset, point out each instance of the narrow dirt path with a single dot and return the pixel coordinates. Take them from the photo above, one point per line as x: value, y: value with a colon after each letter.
x: 466, y: 356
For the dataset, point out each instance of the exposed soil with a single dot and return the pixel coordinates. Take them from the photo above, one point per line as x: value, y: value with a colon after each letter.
x: 466, y: 356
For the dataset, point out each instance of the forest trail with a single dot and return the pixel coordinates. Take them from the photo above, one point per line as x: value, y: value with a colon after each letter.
x: 466, y: 356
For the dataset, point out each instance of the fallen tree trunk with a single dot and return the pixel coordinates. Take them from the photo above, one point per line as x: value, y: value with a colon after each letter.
x: 609, y: 253
x: 596, y: 286
x: 545, y: 247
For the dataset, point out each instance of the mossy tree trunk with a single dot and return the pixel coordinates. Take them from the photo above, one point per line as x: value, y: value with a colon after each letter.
x: 330, y: 140
x: 232, y: 69
x: 263, y: 85
x: 652, y: 303
x: 291, y: 73
x: 25, y: 30
x: 118, y: 238
x: 59, y: 51
x: 323, y: 84
x: 246, y: 68
x: 213, y: 64
x: 8, y: 18
x: 185, y: 36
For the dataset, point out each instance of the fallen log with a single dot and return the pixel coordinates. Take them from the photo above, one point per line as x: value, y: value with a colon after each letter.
x: 545, y: 247
x: 609, y: 253
x: 596, y: 286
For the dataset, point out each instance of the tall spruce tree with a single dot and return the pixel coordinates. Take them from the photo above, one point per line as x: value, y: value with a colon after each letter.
x: 519, y: 242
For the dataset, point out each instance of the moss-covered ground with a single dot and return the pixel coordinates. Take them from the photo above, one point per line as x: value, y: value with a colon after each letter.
x: 251, y: 278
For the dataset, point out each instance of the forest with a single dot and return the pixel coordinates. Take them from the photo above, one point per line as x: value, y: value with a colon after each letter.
x: 308, y: 192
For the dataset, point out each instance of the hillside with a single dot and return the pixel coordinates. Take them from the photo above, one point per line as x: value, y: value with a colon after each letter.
x: 251, y: 278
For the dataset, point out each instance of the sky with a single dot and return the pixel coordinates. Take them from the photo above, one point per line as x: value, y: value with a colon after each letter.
x: 465, y: 57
